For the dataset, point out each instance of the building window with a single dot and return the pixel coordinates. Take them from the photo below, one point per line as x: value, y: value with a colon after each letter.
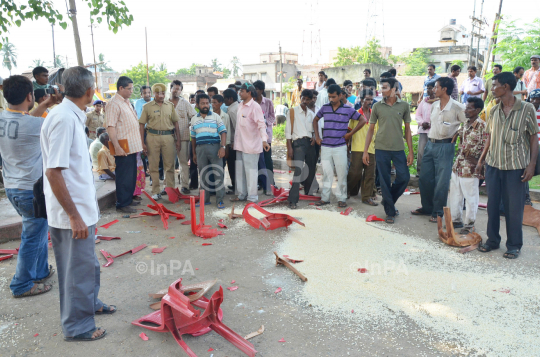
x: 263, y: 77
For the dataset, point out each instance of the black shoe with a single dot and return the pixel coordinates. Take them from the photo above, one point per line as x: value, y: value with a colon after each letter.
x: 126, y: 209
x: 163, y: 193
x: 185, y: 191
x: 231, y: 187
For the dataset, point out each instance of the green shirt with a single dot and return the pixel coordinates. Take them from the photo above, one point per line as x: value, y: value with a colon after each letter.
x: 509, y: 147
x: 390, y: 119
x: 487, y: 84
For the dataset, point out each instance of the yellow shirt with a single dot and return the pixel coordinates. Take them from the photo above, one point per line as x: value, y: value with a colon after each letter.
x: 105, y: 161
x: 295, y: 98
x: 359, y: 139
x: 484, y: 115
x: 159, y: 117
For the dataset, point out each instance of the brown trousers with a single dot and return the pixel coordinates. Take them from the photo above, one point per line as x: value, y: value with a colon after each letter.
x: 361, y: 175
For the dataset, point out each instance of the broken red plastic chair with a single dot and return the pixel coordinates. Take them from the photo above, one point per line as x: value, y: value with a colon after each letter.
x: 174, y: 195
x: 347, y: 211
x: 162, y: 211
x: 110, y: 257
x: 282, y: 194
x: 179, y: 317
x: 5, y: 257
x: 201, y: 230
x: 271, y: 221
x: 373, y: 217
x: 9, y: 251
x: 99, y: 236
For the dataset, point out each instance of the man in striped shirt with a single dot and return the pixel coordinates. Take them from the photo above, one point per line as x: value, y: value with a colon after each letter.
x: 510, y: 154
x: 333, y: 146
x: 208, y: 139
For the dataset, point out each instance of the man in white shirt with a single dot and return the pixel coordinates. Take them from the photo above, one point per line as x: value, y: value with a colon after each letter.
x: 300, y: 146
x: 74, y: 212
x: 447, y: 115
x: 322, y: 81
x: 281, y: 113
x: 95, y: 147
x: 473, y: 86
x: 322, y: 98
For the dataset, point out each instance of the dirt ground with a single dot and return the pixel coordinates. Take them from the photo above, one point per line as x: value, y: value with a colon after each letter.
x: 244, y: 255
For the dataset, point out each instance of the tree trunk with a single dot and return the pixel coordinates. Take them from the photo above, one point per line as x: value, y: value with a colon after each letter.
x: 73, y: 15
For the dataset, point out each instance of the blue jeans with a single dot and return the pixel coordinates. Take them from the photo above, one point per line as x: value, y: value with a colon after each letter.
x: 32, y: 260
x: 435, y: 177
x: 391, y: 192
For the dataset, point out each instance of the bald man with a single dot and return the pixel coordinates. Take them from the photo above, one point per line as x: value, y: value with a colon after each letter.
x: 160, y: 120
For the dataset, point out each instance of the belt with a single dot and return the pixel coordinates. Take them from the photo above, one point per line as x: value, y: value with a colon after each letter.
x: 304, y: 137
x: 160, y: 132
x: 443, y: 141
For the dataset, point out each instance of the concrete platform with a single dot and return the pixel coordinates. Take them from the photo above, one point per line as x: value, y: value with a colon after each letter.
x: 11, y: 222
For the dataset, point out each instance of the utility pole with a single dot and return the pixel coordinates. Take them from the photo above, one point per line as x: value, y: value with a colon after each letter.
x: 146, y: 40
x: 94, y: 51
x: 280, y: 76
x: 73, y: 17
x: 53, y: 50
x: 493, y: 40
x: 472, y: 34
x: 479, y: 37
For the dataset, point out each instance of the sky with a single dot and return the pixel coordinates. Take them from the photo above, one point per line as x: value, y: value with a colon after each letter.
x: 184, y: 32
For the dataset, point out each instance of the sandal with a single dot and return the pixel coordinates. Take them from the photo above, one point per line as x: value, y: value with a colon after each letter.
x: 51, y: 273
x: 457, y: 224
x: 511, y: 254
x: 484, y: 248
x: 87, y: 336
x: 370, y: 202
x: 321, y: 203
x: 433, y: 219
x: 292, y: 205
x: 236, y: 199
x: 390, y: 219
x: 420, y: 212
x: 220, y: 205
x: 199, y: 204
x: 107, y: 310
x: 342, y: 204
x: 37, y: 289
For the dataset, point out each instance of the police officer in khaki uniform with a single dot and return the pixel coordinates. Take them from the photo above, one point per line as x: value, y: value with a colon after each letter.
x: 95, y: 119
x: 161, y: 121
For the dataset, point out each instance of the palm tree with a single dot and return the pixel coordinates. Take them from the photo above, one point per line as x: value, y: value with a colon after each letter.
x: 235, y: 63
x: 104, y: 67
x: 9, y: 55
x: 162, y: 67
x: 37, y: 63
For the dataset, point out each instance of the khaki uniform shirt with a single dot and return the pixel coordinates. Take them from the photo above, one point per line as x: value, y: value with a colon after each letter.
x: 105, y: 161
x: 94, y: 121
x: 159, y: 117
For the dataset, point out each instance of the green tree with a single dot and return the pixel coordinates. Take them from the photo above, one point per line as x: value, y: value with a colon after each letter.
x: 59, y: 62
x: 14, y: 13
x: 187, y: 71
x: 8, y: 53
x: 370, y: 53
x: 516, y: 44
x: 417, y: 62
x: 162, y: 67
x: 37, y: 63
x: 104, y: 66
x: 235, y: 66
x: 216, y: 65
x: 290, y: 85
x: 138, y: 76
x: 226, y: 73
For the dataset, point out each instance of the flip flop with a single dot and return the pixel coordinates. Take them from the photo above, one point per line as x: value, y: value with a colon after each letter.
x: 321, y: 203
x: 51, y: 273
x: 420, y: 212
x: 342, y: 204
x: 390, y: 219
x: 106, y: 310
x: 433, y: 219
x: 220, y: 205
x: 370, y: 202
x: 511, y: 254
x: 199, y: 205
x: 87, y: 336
x: 40, y: 289
x: 484, y: 248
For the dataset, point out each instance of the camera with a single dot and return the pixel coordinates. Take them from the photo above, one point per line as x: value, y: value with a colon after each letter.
x: 51, y: 89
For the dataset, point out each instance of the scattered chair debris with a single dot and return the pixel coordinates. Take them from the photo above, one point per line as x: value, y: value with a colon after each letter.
x: 174, y: 195
x: 271, y: 221
x: 233, y: 215
x: 201, y: 230
x: 110, y: 257
x: 256, y: 333
x: 198, y: 290
x: 449, y: 237
x: 161, y: 210
x: 282, y: 194
x: 288, y: 265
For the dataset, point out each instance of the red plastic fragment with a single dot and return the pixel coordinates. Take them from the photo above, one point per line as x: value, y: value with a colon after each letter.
x: 6, y: 257
x: 178, y: 316
x: 282, y: 340
x: 373, y: 217
x: 36, y: 335
x: 143, y: 336
x: 207, y: 244
x: 221, y: 225
x: 110, y: 224
x: 186, y: 223
x: 174, y: 195
x: 110, y: 257
x: 234, y: 281
x: 171, y: 237
x: 161, y: 210
x: 106, y: 238
x: 292, y: 260
x: 347, y: 211
x: 352, y: 311
x: 201, y: 230
x: 9, y: 251
x: 232, y: 288
x: 158, y: 250
x: 362, y: 270
x: 282, y: 194
x: 278, y: 290
x: 210, y: 350
x: 482, y: 205
x: 271, y: 221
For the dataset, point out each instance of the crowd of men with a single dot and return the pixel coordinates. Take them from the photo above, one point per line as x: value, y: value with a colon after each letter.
x: 50, y: 142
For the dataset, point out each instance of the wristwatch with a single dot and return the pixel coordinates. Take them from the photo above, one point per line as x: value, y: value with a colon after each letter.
x: 223, y: 147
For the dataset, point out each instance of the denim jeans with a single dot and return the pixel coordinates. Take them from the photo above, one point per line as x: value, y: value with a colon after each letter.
x: 435, y: 177
x: 32, y: 260
x: 392, y: 191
